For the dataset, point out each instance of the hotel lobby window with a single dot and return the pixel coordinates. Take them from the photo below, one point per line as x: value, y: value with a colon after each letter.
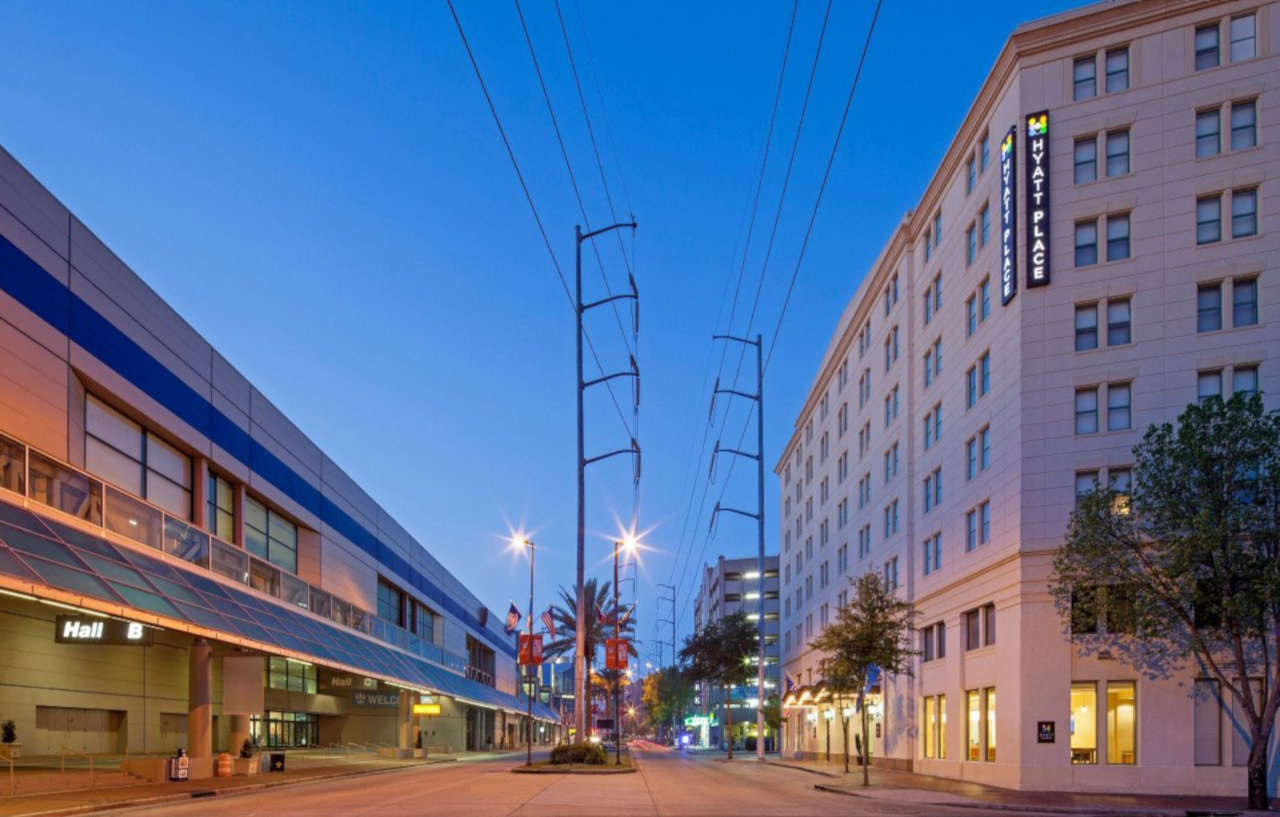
x: 269, y: 535
x: 973, y: 731
x: 1084, y: 722
x: 135, y: 460
x: 1121, y: 722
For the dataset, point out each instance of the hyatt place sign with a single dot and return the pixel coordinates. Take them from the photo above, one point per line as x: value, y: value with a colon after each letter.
x: 91, y: 630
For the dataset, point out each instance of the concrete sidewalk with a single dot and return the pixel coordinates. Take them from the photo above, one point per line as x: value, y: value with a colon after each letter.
x: 921, y: 789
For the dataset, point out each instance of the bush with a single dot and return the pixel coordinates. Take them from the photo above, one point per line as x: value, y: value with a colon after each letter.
x: 590, y: 753
x: 10, y: 731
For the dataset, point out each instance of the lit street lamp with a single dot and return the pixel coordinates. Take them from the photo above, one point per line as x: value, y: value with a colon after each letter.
x: 519, y: 542
x: 629, y: 544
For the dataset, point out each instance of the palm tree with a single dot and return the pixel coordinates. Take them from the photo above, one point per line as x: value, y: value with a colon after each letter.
x: 598, y: 616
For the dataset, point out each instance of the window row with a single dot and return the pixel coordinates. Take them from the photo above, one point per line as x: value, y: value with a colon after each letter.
x: 1119, y: 410
x: 1117, y: 235
x: 1244, y: 215
x: 1119, y: 331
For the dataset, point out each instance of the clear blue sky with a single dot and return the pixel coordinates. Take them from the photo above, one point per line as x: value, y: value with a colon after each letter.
x: 320, y: 190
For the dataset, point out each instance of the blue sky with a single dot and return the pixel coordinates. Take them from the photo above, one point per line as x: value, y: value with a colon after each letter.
x: 320, y: 190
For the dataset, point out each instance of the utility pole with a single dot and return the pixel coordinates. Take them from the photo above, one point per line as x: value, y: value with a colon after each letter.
x: 758, y: 397
x: 580, y: 659
x: 675, y: 725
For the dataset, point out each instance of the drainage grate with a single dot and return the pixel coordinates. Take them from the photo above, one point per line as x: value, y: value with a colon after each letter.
x: 204, y: 793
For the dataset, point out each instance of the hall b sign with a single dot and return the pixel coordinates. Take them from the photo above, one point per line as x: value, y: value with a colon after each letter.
x: 110, y: 631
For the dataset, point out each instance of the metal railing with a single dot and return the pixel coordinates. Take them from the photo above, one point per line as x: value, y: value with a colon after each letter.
x: 62, y: 761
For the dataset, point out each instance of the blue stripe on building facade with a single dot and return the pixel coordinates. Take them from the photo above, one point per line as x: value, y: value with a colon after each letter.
x: 54, y: 303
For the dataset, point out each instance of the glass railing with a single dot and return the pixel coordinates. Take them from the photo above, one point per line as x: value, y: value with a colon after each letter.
x: 65, y: 488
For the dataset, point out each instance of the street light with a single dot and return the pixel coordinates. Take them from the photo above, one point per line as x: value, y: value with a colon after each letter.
x: 519, y: 542
x: 627, y: 543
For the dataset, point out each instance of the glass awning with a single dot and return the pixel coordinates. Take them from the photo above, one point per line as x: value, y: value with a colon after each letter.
x: 43, y: 551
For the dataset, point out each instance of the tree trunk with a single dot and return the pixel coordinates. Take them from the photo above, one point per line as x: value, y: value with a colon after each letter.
x: 845, y: 722
x: 728, y: 720
x: 866, y: 740
x: 1258, y: 769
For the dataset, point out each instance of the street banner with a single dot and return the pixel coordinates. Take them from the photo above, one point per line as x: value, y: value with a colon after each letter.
x: 615, y: 654
x: 530, y: 649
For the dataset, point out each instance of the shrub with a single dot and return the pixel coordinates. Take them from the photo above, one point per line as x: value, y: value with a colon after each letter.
x: 10, y: 732
x: 246, y: 748
x: 590, y: 753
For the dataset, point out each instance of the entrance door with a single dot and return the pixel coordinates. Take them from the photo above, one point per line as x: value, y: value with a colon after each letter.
x: 93, y: 731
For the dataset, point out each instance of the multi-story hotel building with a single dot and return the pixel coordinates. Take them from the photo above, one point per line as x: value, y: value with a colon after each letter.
x: 735, y: 586
x: 1096, y: 250
x: 179, y: 564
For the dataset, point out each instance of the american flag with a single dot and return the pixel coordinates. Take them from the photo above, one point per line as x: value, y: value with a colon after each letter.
x: 549, y: 622
x: 513, y: 618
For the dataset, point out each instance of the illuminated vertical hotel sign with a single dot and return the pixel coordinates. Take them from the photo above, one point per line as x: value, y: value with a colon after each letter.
x: 1008, y: 218
x: 1037, y: 170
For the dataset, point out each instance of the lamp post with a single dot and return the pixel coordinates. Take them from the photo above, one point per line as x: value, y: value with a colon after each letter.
x: 522, y: 542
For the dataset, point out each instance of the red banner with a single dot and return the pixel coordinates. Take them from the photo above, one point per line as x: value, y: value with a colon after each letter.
x: 530, y: 649
x: 615, y: 654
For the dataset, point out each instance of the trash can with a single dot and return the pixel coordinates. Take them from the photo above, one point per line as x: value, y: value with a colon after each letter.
x: 179, y: 766
x: 277, y: 761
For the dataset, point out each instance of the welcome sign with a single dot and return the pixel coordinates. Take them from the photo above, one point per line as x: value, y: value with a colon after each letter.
x: 1008, y: 219
x: 1037, y: 168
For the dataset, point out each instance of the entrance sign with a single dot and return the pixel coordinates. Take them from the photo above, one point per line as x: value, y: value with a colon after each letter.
x: 615, y: 653
x: 89, y: 630
x: 1045, y: 731
x: 427, y: 710
x: 375, y: 699
x: 1008, y: 218
x: 1037, y: 167
x: 530, y: 649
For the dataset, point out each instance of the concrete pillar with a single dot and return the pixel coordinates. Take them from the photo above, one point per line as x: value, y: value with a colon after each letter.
x: 239, y: 732
x: 405, y: 719
x: 200, y: 699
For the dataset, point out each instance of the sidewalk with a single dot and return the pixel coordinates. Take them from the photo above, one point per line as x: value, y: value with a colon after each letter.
x: 921, y: 789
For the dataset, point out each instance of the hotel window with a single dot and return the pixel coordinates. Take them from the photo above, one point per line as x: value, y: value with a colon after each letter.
x: 1244, y: 302
x: 973, y: 730
x: 1244, y: 124
x: 984, y: 448
x: 1208, y: 138
x: 984, y: 522
x: 928, y: 246
x: 984, y: 374
x: 891, y: 573
x: 1086, y: 482
x: 1118, y: 418
x: 971, y: 244
x: 1118, y: 325
x: 937, y: 229
x: 1122, y: 719
x: 1084, y: 723
x: 1243, y: 42
x: 988, y: 624
x: 971, y: 530
x: 1086, y: 243
x: 937, y: 292
x: 1207, y: 723
x: 942, y: 720
x: 1086, y: 159
x: 1208, y: 219
x: 932, y: 554
x: 971, y: 307
x: 1120, y: 482
x: 1086, y: 327
x: 1208, y: 384
x: 269, y: 535
x: 390, y: 603
x: 971, y: 458
x: 984, y: 152
x: 1244, y: 213
x: 132, y: 458
x: 221, y: 508
x: 990, y: 704
x: 1208, y: 307
x: 930, y: 725
x: 1087, y: 410
x: 971, y: 174
x: 984, y: 225
x: 1118, y: 237
x: 928, y: 367
x: 1117, y: 69
x: 1117, y: 153
x: 1206, y: 46
x: 928, y: 306
x: 984, y: 299
x: 1084, y: 78
x: 1244, y: 380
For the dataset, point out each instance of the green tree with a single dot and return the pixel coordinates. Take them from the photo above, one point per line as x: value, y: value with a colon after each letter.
x: 667, y: 695
x: 773, y: 720
x: 720, y: 654
x: 1184, y: 569
x: 872, y: 630
x: 599, y: 620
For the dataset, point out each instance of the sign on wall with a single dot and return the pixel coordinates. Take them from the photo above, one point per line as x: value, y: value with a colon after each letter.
x: 1045, y: 731
x: 1037, y: 168
x: 91, y: 630
x: 375, y: 699
x: 1008, y: 217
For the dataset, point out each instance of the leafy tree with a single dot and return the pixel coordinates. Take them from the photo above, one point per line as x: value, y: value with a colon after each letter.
x: 720, y: 654
x: 599, y: 620
x: 773, y: 719
x: 1185, y: 569
x: 872, y: 630
x: 667, y: 695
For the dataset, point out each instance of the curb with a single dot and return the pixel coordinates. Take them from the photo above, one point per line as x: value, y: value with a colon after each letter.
x: 583, y: 771
x: 805, y: 769
x: 197, y: 794
x: 1028, y: 808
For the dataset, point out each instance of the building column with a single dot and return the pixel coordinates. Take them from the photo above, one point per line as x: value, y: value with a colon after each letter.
x: 404, y: 722
x: 200, y: 699
x: 239, y: 732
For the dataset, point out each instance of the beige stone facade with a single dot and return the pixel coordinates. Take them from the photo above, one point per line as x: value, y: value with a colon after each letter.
x: 1137, y: 278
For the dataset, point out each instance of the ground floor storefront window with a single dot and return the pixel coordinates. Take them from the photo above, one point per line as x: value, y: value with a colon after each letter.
x: 935, y: 726
x: 1118, y: 723
x: 980, y: 728
x: 285, y: 729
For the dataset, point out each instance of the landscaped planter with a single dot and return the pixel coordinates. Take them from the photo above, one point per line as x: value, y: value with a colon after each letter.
x: 11, y: 750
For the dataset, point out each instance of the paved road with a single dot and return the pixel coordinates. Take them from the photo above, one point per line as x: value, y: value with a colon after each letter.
x: 668, y: 783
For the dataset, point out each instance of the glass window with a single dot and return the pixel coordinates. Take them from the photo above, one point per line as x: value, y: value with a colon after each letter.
x: 1117, y: 69
x: 971, y: 458
x: 255, y: 527
x: 973, y: 731
x: 1208, y: 384
x: 1208, y: 307
x: 971, y: 244
x: 1244, y: 302
x: 1117, y: 153
x: 984, y: 222
x: 390, y: 603
x: 1243, y: 42
x: 1084, y: 723
x: 1244, y: 124
x: 971, y: 387
x: 1208, y: 142
x: 942, y: 710
x: 971, y: 307
x: 1086, y: 481
x: 990, y: 694
x: 971, y: 530
x: 270, y: 535
x: 984, y: 151
x: 1122, y: 702
x: 1120, y: 481
x: 971, y: 174
x: 228, y: 561
x: 1084, y: 75
x: 1208, y: 219
x: 1244, y: 213
x: 66, y: 490
x: 1244, y: 380
x: 1086, y: 243
x: 1118, y: 331
x: 1206, y: 46
x: 221, y: 511
x: 984, y: 445
x: 1118, y: 237
x: 1086, y: 159
x: 984, y: 300
x: 930, y: 724
x: 13, y: 465
x: 984, y: 373
x: 973, y: 630
x: 1086, y: 327
x: 1117, y: 406
x: 264, y: 577
x: 1086, y: 411
x: 118, y: 450
x: 1208, y: 723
